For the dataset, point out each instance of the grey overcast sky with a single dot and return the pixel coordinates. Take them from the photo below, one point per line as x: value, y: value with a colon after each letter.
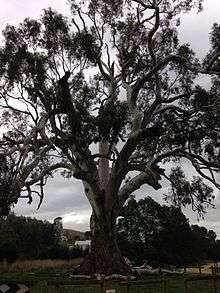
x: 65, y: 197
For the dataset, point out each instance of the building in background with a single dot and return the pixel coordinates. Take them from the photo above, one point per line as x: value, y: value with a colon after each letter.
x: 83, y: 244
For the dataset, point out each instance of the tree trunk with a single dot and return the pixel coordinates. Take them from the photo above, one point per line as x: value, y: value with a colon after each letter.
x: 104, y: 256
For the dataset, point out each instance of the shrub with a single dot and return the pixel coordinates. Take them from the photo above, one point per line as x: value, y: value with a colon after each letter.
x: 8, y: 251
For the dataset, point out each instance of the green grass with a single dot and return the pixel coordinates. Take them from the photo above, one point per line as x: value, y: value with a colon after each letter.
x: 40, y: 277
x: 175, y: 287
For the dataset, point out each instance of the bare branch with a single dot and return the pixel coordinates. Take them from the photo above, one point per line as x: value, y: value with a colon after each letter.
x: 82, y: 19
x: 146, y: 6
x: 49, y: 169
x: 178, y: 97
x: 160, y: 65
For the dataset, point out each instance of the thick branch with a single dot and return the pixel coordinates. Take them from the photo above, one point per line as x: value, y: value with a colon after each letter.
x: 51, y: 168
x: 120, y: 168
x: 198, y: 162
x: 147, y: 177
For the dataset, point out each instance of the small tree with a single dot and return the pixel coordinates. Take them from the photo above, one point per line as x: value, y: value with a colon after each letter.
x: 158, y: 234
x: 30, y: 237
x: 108, y: 96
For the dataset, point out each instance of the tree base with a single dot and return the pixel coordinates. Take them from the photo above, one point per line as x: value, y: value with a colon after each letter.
x: 92, y: 264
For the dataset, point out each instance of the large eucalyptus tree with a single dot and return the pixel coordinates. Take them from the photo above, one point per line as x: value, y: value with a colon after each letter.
x: 110, y: 97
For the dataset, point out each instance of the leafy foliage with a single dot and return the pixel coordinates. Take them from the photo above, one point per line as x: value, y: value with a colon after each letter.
x: 162, y: 235
x: 29, y: 236
x: 184, y: 193
x: 8, y: 251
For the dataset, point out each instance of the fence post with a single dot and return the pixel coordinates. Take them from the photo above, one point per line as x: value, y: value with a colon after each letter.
x: 128, y: 287
x: 102, y: 285
x: 164, y: 285
x: 57, y: 288
x: 200, y: 270
x: 185, y: 286
x: 214, y: 285
x: 32, y: 288
x: 5, y: 265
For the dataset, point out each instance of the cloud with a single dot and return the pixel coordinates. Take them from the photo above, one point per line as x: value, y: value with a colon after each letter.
x: 63, y: 197
x: 195, y: 27
x: 80, y: 220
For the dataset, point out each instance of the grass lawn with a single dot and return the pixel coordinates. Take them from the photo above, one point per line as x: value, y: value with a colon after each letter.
x: 175, y: 284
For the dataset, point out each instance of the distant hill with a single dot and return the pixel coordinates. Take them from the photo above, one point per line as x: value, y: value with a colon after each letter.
x: 73, y: 235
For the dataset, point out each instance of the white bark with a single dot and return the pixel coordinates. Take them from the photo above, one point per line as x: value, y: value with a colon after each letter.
x: 148, y: 177
x: 91, y: 198
x: 136, y: 115
x: 103, y: 165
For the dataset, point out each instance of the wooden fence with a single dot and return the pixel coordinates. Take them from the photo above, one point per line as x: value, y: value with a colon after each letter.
x: 212, y: 282
x: 101, y: 285
x: 215, y: 270
x: 57, y: 285
x: 130, y: 284
x: 209, y: 281
x: 202, y: 270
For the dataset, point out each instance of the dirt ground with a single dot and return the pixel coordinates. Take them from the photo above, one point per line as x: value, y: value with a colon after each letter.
x: 205, y: 269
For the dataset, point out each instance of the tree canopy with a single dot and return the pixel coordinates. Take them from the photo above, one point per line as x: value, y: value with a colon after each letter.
x: 109, y: 96
x: 162, y: 235
x: 27, y: 238
x: 30, y: 238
